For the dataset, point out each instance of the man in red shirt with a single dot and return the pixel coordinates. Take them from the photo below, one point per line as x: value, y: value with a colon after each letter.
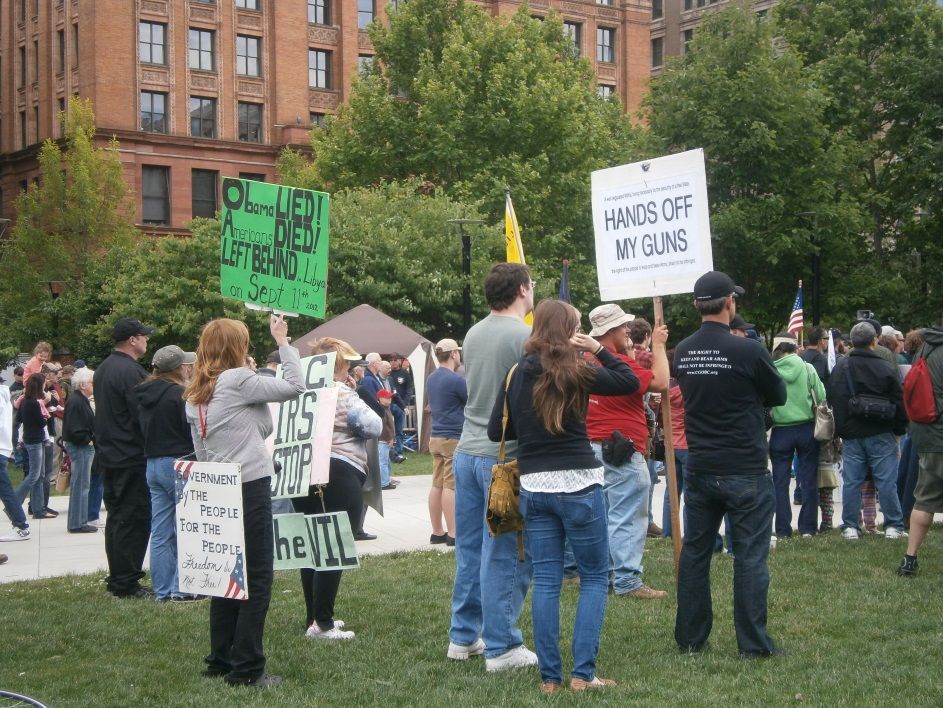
x: 619, y: 433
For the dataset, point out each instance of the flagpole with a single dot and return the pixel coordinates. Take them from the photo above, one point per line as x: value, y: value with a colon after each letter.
x: 802, y: 329
x: 670, y: 473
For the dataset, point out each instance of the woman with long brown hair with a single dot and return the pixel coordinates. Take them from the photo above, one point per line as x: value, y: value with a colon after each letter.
x: 227, y: 406
x: 561, y: 480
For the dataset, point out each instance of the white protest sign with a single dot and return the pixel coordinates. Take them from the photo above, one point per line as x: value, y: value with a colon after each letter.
x: 298, y: 448
x: 652, y: 226
x: 210, y: 535
x: 319, y: 541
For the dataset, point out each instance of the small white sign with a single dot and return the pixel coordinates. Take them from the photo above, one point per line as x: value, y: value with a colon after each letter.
x: 652, y: 226
x: 210, y: 535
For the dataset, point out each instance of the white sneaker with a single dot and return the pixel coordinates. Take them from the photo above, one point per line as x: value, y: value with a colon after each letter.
x: 16, y: 535
x: 97, y: 523
x: 890, y: 533
x: 515, y: 658
x: 461, y: 652
x: 850, y: 534
x: 772, y: 543
x: 334, y: 633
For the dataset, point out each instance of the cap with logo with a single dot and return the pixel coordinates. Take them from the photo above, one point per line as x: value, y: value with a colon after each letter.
x: 384, y: 393
x: 714, y: 284
x: 171, y: 357
x: 125, y: 328
x: 606, y: 317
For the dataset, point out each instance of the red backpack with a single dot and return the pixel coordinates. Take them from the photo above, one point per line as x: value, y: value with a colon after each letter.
x: 920, y: 400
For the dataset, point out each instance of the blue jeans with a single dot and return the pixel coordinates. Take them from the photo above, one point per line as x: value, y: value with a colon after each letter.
x: 12, y: 503
x: 34, y: 483
x: 749, y: 501
x: 399, y: 421
x: 784, y: 442
x: 579, y: 517
x: 81, y: 456
x: 653, y: 477
x: 681, y: 459
x: 161, y: 480
x: 490, y: 581
x: 627, y: 493
x: 383, y: 453
x: 879, y: 453
x: 96, y: 490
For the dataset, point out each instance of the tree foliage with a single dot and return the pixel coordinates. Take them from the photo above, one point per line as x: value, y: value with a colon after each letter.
x: 77, y: 213
x: 472, y: 103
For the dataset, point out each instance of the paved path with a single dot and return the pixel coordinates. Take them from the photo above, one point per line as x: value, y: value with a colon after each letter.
x: 52, y: 551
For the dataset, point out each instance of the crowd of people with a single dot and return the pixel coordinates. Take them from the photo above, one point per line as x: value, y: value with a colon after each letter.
x: 580, y: 414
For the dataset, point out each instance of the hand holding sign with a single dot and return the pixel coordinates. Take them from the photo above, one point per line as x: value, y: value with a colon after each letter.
x: 279, y: 328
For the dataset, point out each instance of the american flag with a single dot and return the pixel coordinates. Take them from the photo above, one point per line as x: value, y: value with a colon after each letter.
x: 237, y: 582
x: 182, y: 477
x: 795, y: 319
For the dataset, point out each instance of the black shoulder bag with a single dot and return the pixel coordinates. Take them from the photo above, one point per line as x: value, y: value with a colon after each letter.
x: 867, y: 407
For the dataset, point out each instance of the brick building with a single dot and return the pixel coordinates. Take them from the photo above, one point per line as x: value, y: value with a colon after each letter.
x: 674, y: 23
x: 196, y: 90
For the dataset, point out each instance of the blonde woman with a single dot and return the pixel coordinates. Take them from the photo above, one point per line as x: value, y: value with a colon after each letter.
x: 227, y: 407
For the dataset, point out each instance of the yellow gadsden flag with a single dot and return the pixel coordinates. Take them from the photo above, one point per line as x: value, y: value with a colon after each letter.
x: 512, y: 238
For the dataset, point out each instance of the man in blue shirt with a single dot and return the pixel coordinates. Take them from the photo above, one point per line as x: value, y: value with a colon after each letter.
x: 447, y: 395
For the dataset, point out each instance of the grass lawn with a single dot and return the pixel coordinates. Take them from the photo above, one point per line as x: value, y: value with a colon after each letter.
x: 857, y: 635
x: 416, y: 463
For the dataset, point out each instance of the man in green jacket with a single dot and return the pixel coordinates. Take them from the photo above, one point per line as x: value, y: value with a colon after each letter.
x: 793, y: 433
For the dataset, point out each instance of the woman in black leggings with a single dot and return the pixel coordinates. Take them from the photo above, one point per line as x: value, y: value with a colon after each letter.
x: 354, y: 424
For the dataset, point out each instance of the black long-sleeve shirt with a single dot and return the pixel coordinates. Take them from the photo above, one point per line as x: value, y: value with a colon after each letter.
x: 78, y: 423
x: 726, y: 382
x: 539, y: 450
x: 118, y: 438
x: 872, y: 375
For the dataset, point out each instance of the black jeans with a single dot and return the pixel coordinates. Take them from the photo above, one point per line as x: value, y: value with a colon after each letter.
x: 748, y: 499
x: 342, y: 493
x: 128, y: 526
x: 236, y: 626
x: 784, y: 441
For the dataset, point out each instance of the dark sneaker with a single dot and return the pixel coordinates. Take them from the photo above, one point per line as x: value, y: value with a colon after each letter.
x: 364, y: 536
x: 439, y: 538
x: 88, y: 528
x: 140, y: 593
x: 450, y: 542
x: 908, y: 568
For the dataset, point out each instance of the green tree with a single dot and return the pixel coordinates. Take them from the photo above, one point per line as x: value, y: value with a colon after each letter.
x: 78, y: 211
x: 472, y: 103
x: 759, y: 118
x: 880, y: 65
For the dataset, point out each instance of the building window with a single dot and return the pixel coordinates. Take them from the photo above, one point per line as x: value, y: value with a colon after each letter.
x: 319, y: 68
x: 155, y: 194
x: 206, y: 2
x: 604, y: 2
x: 22, y: 55
x: 658, y: 9
x: 250, y: 122
x: 319, y: 12
x: 202, y: 117
x: 247, y: 55
x: 686, y: 38
x: 688, y: 4
x: 35, y: 61
x: 605, y: 44
x: 60, y: 51
x: 75, y: 46
x: 151, y: 42
x: 658, y: 52
x: 574, y: 30
x: 23, y: 135
x: 364, y: 64
x: 60, y: 116
x: 204, y: 192
x: 252, y: 176
x: 154, y: 111
x: 316, y: 120
x: 36, y: 122
x: 201, y: 49
x: 365, y: 13
x: 248, y: 4
x: 605, y: 90
x: 762, y: 15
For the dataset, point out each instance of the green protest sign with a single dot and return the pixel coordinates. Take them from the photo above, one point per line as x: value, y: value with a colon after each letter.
x: 319, y: 541
x: 274, y: 245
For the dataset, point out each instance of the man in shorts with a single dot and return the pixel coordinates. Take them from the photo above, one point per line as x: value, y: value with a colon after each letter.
x: 928, y: 439
x: 447, y: 395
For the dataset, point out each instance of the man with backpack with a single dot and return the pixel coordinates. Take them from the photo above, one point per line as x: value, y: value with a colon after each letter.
x: 922, y: 397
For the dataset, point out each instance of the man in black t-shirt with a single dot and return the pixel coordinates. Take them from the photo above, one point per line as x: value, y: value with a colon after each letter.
x: 815, y: 347
x: 726, y: 382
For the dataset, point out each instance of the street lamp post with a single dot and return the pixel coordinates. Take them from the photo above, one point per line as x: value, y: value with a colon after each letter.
x: 816, y: 269
x: 466, y: 265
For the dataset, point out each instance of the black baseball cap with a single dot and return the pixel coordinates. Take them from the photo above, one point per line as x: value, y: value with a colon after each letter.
x: 125, y: 328
x: 714, y: 284
x: 739, y: 323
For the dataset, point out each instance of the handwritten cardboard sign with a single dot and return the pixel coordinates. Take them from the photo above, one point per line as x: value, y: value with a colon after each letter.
x: 319, y: 541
